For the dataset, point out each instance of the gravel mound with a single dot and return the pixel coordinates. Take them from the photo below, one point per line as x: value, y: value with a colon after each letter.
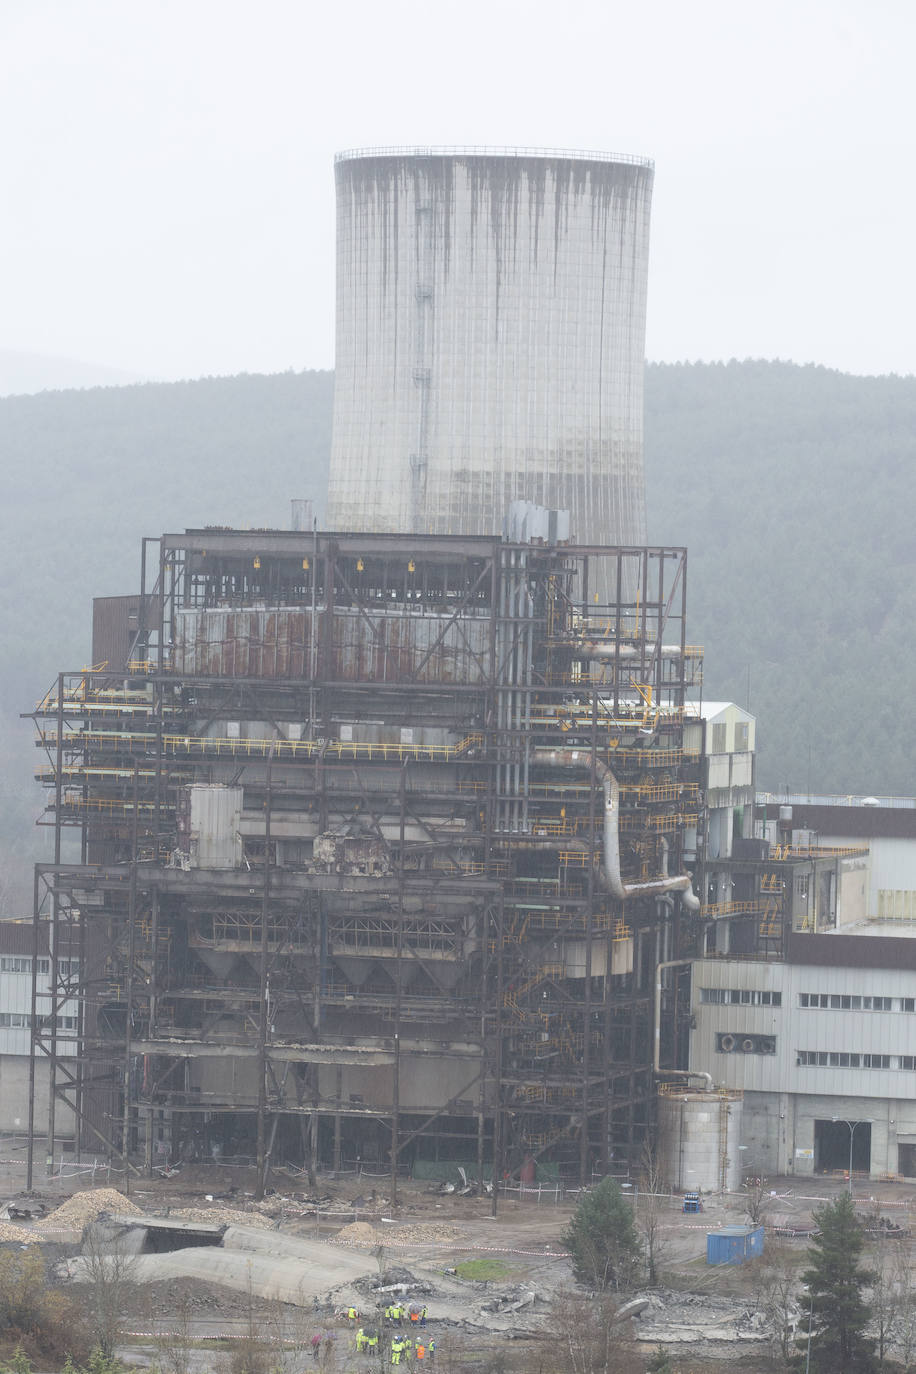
x: 88, y: 1205
x: 360, y: 1233
x: 10, y: 1234
x: 221, y: 1216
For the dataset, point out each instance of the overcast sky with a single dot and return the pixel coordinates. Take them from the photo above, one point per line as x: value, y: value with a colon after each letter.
x: 167, y: 180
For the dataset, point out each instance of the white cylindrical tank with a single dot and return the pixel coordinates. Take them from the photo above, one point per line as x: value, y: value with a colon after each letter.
x: 698, y: 1137
x: 490, y: 340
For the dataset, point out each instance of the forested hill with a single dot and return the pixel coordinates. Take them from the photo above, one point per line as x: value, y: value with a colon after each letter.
x: 791, y: 486
x: 794, y: 489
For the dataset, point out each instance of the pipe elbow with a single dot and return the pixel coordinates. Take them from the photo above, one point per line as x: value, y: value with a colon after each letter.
x: 689, y: 899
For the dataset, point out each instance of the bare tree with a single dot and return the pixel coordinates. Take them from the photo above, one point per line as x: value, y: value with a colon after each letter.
x: 590, y: 1337
x: 650, y: 1206
x: 174, y: 1346
x: 756, y: 1198
x: 891, y: 1293
x: 778, y: 1297
x: 109, y: 1273
x: 905, y: 1334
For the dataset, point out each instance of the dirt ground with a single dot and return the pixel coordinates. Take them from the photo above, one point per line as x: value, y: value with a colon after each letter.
x: 708, y: 1318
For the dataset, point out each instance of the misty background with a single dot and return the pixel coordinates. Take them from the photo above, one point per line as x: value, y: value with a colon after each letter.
x: 167, y: 238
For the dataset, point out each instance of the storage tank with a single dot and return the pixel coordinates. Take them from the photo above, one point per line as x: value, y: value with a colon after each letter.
x: 490, y: 340
x: 698, y: 1137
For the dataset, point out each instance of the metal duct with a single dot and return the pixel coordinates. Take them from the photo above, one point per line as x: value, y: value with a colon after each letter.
x: 613, y: 648
x: 610, y: 867
x: 677, y: 1073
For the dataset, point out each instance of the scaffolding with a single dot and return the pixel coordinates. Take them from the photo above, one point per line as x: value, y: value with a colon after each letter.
x: 350, y: 883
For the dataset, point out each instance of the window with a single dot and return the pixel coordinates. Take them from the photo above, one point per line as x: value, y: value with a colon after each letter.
x: 842, y: 1060
x: 743, y: 997
x: 908, y: 1061
x: 742, y: 732
x: 876, y: 1061
x: 810, y: 1057
x: 843, y: 1001
x: 908, y: 1004
x: 14, y: 1019
x: 14, y: 964
x: 718, y: 738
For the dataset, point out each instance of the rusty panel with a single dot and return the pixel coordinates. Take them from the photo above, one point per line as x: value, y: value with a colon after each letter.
x: 370, y: 647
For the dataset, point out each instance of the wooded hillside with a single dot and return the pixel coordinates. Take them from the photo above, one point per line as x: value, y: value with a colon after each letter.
x: 791, y: 486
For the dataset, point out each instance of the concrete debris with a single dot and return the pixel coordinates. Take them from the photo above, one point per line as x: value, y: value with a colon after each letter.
x: 221, y: 1216
x: 10, y: 1234
x: 687, y: 1318
x: 86, y: 1206
x: 510, y: 1299
x: 358, y: 1233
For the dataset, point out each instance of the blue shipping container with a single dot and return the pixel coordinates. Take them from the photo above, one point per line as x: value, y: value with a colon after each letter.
x: 734, y: 1244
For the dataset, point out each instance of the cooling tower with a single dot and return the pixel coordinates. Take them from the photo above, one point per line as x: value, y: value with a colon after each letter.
x: 490, y: 340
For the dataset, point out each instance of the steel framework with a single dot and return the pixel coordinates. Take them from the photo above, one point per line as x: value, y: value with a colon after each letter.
x: 380, y: 844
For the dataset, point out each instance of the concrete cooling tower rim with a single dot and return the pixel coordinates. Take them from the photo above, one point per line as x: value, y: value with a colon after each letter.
x: 546, y: 154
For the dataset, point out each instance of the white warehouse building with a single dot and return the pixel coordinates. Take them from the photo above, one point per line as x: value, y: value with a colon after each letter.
x: 821, y: 1039
x: 16, y: 959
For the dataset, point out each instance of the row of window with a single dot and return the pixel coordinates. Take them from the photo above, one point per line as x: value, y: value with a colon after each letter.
x: 836, y: 1001
x: 19, y: 1020
x: 841, y: 1060
x: 16, y: 963
x: 744, y: 997
x: 841, y: 1001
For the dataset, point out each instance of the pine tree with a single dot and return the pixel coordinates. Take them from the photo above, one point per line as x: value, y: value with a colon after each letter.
x: 602, y: 1239
x: 835, y: 1283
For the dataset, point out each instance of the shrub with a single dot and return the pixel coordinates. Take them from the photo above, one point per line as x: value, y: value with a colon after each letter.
x: 602, y: 1239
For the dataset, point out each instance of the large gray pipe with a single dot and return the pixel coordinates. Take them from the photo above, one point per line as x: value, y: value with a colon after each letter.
x: 610, y: 867
x: 613, y: 648
x: 677, y: 1073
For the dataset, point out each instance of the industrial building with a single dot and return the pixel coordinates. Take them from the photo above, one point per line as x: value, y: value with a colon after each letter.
x: 22, y: 1078
x: 817, y: 1030
x: 491, y: 313
x: 370, y: 845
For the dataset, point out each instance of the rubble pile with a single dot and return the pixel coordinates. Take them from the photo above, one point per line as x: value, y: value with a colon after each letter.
x: 10, y: 1234
x: 676, y: 1318
x: 358, y: 1233
x: 88, y: 1205
x: 221, y: 1216
x: 361, y: 1233
x: 395, y: 1282
x: 511, y: 1299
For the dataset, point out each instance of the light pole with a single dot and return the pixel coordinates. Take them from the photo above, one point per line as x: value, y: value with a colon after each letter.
x: 865, y: 1121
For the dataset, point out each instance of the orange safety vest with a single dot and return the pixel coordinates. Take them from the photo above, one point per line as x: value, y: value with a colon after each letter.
x: 421, y: 1352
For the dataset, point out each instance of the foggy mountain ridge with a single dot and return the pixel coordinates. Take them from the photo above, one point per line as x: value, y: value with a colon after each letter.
x: 791, y: 487
x: 24, y: 374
